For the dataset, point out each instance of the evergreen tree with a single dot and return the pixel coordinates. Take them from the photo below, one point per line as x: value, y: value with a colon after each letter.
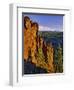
x: 58, y: 59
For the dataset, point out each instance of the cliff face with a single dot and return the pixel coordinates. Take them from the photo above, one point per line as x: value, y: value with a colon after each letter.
x: 27, y: 43
x: 41, y: 55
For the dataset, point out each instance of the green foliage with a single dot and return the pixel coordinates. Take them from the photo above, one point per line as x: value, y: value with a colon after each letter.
x: 58, y: 59
x: 51, y: 34
x: 58, y: 49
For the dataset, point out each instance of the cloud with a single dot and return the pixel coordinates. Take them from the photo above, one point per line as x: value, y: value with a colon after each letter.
x: 46, y: 28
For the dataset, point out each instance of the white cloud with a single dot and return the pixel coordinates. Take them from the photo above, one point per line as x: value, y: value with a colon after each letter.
x: 46, y: 28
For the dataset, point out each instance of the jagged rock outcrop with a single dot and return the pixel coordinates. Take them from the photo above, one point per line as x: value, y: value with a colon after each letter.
x: 41, y: 55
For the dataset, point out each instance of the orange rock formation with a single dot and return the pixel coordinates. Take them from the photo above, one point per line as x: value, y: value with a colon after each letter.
x: 31, y: 45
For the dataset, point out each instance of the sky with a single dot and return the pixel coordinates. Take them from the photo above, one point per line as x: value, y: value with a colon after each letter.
x: 47, y: 22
